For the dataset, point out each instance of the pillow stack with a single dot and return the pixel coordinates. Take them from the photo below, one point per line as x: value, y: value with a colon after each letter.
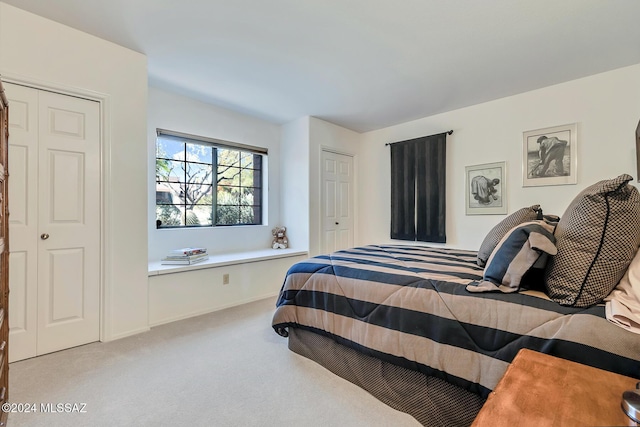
x: 497, y: 233
x: 597, y: 237
x: 524, y: 247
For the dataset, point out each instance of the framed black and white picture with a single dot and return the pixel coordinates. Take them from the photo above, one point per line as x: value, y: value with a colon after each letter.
x: 485, y: 189
x: 550, y: 156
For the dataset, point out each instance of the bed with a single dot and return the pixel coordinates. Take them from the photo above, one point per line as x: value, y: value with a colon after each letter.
x: 401, y: 322
x: 408, y: 306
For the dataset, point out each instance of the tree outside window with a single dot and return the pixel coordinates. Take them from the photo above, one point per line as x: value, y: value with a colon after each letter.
x: 199, y: 184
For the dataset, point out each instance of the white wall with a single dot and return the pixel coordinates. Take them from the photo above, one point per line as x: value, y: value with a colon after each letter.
x: 178, y: 296
x: 294, y: 182
x: 302, y: 143
x: 181, y: 295
x: 182, y: 114
x: 325, y: 135
x: 605, y: 106
x: 34, y: 49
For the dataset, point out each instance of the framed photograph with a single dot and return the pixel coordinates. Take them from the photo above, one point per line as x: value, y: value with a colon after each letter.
x: 486, y: 189
x: 550, y: 156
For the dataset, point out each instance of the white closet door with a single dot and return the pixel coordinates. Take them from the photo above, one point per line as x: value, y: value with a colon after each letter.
x: 66, y: 214
x: 23, y: 221
x: 69, y: 213
x: 337, y: 201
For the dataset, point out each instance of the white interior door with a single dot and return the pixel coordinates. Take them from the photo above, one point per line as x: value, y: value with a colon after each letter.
x: 23, y: 221
x: 56, y: 194
x: 337, y: 201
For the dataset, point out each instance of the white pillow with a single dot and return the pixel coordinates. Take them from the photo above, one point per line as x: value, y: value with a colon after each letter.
x: 623, y: 303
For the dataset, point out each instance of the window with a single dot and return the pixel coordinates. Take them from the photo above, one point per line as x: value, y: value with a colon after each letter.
x: 203, y: 182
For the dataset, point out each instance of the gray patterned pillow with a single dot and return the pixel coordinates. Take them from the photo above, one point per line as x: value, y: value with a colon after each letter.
x: 597, y: 237
x: 493, y: 237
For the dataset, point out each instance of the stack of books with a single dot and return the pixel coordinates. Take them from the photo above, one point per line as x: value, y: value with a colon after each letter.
x: 185, y: 256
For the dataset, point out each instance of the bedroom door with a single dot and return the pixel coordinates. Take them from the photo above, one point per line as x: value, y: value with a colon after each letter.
x: 337, y: 201
x: 54, y: 195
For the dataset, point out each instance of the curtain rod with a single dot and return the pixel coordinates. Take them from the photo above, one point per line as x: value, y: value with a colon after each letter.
x: 448, y: 133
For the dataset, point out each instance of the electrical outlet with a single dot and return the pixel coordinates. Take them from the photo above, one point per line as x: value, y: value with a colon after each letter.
x: 225, y: 279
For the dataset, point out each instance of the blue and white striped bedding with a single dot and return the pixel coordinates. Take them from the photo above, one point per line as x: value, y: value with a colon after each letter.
x: 408, y: 305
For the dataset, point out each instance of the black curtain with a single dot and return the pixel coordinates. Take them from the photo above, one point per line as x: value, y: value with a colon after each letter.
x: 418, y: 174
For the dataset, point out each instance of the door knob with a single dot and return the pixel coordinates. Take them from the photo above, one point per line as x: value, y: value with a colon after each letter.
x: 44, y: 236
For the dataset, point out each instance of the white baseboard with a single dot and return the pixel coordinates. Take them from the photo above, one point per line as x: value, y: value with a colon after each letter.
x: 126, y: 334
x: 211, y: 310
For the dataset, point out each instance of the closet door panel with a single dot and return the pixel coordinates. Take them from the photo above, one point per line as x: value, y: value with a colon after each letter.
x: 55, y: 222
x: 69, y: 222
x: 23, y: 221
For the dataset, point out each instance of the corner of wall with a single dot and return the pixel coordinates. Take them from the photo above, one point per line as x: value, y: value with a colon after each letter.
x: 294, y: 181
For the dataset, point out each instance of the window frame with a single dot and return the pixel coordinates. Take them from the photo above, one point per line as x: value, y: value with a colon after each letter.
x: 256, y: 185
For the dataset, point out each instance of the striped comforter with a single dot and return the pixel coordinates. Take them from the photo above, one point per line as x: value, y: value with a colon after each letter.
x: 408, y: 305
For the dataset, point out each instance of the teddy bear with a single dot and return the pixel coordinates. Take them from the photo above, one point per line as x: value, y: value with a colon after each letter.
x: 280, y: 240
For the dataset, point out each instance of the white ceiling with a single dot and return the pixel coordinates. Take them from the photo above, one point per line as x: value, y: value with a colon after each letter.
x: 361, y: 64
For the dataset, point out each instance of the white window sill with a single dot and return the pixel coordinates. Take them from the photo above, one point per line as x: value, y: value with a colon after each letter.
x: 220, y: 260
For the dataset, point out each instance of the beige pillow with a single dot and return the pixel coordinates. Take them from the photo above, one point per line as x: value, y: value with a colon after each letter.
x: 497, y: 233
x: 597, y: 237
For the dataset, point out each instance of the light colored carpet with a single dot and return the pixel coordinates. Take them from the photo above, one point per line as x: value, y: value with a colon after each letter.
x: 227, y: 368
